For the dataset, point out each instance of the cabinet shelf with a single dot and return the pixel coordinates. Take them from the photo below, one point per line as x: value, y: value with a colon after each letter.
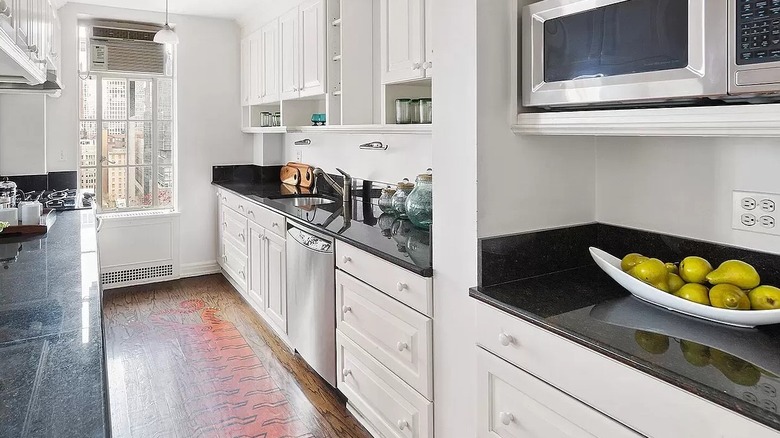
x: 265, y: 130
x: 757, y: 120
x: 421, y: 129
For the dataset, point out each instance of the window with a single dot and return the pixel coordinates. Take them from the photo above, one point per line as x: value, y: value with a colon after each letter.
x: 126, y: 138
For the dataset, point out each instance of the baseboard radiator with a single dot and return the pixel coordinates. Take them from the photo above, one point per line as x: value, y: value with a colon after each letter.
x: 138, y: 248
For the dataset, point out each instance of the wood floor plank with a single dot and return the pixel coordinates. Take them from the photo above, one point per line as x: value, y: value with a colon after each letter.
x: 191, y: 358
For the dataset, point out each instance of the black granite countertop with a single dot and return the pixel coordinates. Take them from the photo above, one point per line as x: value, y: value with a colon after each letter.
x: 52, y: 381
x: 382, y: 235
x: 734, y: 367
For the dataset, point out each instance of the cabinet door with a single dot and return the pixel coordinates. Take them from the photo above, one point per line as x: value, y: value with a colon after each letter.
x: 8, y: 18
x: 245, y: 71
x: 23, y: 23
x: 288, y: 57
x: 428, y: 64
x: 402, y: 40
x: 257, y: 260
x: 269, y: 41
x: 255, y: 68
x: 514, y: 404
x: 312, y: 47
x: 276, y: 281
x: 220, y: 230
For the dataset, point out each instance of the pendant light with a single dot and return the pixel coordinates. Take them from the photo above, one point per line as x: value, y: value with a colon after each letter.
x: 166, y: 35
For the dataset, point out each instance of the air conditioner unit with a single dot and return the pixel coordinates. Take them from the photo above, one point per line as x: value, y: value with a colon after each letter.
x: 125, y: 50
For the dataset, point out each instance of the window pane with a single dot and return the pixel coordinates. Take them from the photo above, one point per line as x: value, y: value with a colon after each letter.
x: 140, y: 99
x: 165, y: 186
x: 88, y: 179
x: 114, y: 99
x: 139, y: 139
x: 140, y: 188
x: 115, y: 143
x: 165, y: 99
x: 114, y: 190
x: 88, y: 143
x: 88, y: 105
x: 165, y: 142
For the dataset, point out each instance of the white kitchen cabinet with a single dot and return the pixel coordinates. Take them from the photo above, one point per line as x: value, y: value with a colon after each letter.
x: 428, y: 63
x: 514, y: 404
x: 246, y: 71
x: 289, y: 56
x: 403, y: 41
x: 313, y: 45
x: 255, y: 68
x: 276, y: 280
x: 269, y: 63
x: 255, y: 291
x: 26, y: 39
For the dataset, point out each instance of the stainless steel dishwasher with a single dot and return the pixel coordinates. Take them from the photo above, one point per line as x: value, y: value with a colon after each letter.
x: 311, y: 299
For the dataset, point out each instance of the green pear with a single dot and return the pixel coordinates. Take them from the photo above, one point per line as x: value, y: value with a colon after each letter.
x: 735, y: 272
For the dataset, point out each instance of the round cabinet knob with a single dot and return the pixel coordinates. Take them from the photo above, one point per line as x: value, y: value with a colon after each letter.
x: 346, y: 372
x: 402, y: 346
x: 428, y: 64
x: 505, y: 339
x: 416, y: 66
x: 346, y: 259
x: 401, y: 286
x: 346, y: 309
x: 402, y: 424
x: 506, y: 418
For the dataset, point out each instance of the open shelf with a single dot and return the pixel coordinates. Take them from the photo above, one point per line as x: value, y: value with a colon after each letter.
x: 756, y: 120
x: 345, y: 129
x: 266, y: 130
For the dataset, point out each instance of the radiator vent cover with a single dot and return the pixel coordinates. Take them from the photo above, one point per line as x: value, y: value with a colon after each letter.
x: 137, y: 274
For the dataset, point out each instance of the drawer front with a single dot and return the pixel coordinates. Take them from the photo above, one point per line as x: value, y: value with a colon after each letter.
x: 267, y: 219
x: 514, y: 404
x: 235, y: 263
x: 394, y: 334
x: 409, y: 288
x: 390, y: 405
x: 235, y: 228
x: 234, y: 201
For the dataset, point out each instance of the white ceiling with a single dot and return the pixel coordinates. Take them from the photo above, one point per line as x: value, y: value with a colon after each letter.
x: 208, y: 8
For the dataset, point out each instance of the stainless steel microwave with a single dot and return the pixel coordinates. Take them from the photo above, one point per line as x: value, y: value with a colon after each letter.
x: 635, y: 52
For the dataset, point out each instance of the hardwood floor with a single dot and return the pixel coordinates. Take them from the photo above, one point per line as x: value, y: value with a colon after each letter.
x: 190, y: 358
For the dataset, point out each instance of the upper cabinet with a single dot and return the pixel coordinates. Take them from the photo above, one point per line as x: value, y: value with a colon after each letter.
x: 312, y: 47
x: 28, y: 40
x: 405, y: 41
x: 289, y: 57
x: 269, y: 61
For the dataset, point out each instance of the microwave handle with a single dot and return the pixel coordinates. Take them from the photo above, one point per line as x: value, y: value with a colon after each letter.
x: 597, y: 75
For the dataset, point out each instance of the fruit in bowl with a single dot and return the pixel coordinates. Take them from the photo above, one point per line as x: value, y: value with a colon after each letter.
x: 764, y: 298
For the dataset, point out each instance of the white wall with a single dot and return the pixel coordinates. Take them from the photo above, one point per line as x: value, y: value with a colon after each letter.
x: 683, y: 186
x: 407, y: 155
x: 22, y: 138
x: 209, y: 118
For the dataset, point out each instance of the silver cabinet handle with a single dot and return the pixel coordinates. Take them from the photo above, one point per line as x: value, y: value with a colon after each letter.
x: 506, y: 418
x: 224, y: 225
x: 224, y: 258
x: 99, y: 224
x: 32, y: 49
x: 416, y: 66
x: 242, y: 274
x: 505, y: 339
x: 402, y: 346
x: 240, y: 207
x: 402, y: 424
x: 346, y: 309
x: 275, y: 224
x: 4, y: 9
x: 346, y: 259
x: 401, y: 286
x: 428, y: 65
x: 243, y: 238
x: 251, y: 212
x: 346, y: 372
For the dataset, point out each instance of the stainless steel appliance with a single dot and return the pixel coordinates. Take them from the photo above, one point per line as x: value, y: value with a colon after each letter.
x: 311, y: 299
x: 629, y: 52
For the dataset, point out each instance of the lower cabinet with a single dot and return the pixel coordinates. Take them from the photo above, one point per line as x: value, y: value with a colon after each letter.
x: 235, y: 263
x: 276, y: 280
x: 514, y: 404
x: 255, y: 289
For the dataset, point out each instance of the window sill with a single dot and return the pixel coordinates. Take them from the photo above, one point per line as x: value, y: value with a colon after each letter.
x: 134, y: 214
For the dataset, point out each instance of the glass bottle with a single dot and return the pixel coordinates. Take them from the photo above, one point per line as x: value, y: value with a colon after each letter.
x: 414, y: 111
x: 419, y: 203
x: 403, y: 189
x: 402, y: 115
x: 386, y: 200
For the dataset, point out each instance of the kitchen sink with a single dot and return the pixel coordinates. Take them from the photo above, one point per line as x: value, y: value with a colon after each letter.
x: 304, y: 201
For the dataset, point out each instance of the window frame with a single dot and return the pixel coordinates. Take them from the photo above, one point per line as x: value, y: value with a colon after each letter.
x: 101, y: 161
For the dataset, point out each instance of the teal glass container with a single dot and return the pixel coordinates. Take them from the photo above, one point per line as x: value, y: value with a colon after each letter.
x: 403, y: 189
x: 419, y: 203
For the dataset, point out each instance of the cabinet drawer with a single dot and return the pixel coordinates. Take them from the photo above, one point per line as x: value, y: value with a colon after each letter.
x: 390, y: 405
x: 411, y: 289
x: 234, y: 201
x: 234, y: 227
x: 267, y: 219
x: 394, y: 334
x: 514, y: 404
x: 234, y: 262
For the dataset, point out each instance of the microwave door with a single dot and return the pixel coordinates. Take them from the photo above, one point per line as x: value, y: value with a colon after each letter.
x: 583, y: 52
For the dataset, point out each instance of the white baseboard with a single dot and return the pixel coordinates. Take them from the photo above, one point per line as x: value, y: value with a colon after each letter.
x: 198, y: 269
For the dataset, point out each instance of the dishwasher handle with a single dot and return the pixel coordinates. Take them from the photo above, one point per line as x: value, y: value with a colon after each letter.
x: 310, y: 241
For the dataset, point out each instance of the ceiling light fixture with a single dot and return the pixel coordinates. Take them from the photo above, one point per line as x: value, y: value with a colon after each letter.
x: 166, y: 35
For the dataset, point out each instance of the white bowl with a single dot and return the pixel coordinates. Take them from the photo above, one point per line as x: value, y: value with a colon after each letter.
x: 740, y: 318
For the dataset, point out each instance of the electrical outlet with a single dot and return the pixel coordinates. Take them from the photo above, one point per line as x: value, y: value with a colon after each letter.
x: 753, y: 211
x: 299, y: 155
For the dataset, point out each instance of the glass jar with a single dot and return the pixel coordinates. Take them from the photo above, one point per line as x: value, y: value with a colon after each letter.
x: 426, y: 111
x: 266, y: 119
x: 403, y: 189
x: 386, y: 200
x: 419, y: 203
x: 277, y: 119
x: 402, y: 115
x: 8, y: 190
x: 385, y: 223
x: 414, y: 110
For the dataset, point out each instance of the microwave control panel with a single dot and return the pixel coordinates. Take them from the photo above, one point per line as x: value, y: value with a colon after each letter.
x: 758, y: 29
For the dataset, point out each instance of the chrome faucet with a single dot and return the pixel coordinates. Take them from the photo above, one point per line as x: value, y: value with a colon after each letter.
x: 345, y: 191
